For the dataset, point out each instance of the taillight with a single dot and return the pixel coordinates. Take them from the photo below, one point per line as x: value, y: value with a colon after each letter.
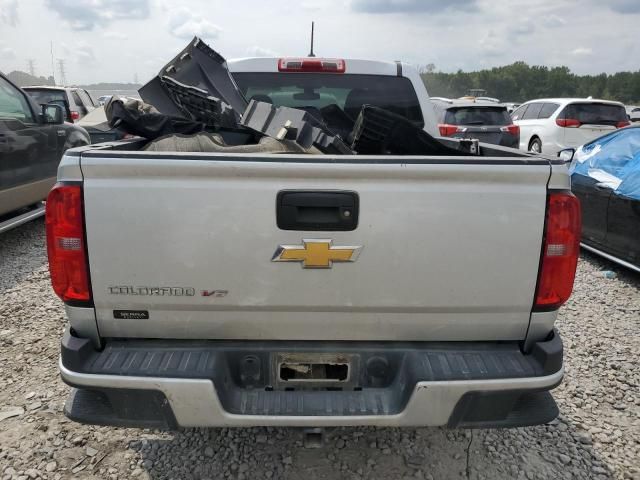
x: 512, y: 129
x: 75, y: 115
x: 560, y: 251
x: 568, y: 122
x: 66, y: 243
x: 447, y: 130
x: 317, y: 65
x: 623, y: 124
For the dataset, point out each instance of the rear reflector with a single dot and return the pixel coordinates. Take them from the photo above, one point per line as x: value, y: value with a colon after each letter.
x: 447, y: 130
x: 560, y: 251
x: 66, y: 245
x: 75, y: 115
x: 568, y: 122
x: 305, y: 65
x: 623, y: 124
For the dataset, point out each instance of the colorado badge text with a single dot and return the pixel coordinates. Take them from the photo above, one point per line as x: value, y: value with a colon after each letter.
x: 316, y: 253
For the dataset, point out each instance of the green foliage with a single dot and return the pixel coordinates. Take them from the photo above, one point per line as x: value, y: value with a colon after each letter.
x: 520, y: 82
x: 23, y: 79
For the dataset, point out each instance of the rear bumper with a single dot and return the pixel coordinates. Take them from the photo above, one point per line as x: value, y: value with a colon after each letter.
x: 164, y: 384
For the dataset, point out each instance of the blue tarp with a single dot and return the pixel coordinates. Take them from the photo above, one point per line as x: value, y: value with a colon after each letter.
x: 613, y: 160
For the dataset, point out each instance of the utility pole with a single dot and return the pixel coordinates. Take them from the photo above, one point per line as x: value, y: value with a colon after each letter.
x: 53, y: 68
x: 63, y: 76
x: 31, y: 66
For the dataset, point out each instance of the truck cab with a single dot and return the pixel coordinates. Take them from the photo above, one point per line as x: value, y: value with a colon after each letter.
x: 333, y: 87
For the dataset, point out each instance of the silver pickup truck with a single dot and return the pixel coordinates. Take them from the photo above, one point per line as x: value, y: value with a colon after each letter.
x: 242, y: 289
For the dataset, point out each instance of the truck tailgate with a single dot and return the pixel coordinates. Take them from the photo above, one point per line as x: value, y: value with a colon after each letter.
x: 181, y: 246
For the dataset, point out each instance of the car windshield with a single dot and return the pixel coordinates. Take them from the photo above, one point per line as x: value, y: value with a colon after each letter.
x: 596, y: 113
x: 331, y: 95
x: 477, y: 115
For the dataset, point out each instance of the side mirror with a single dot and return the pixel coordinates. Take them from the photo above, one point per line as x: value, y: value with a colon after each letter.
x: 566, y: 154
x: 52, y: 114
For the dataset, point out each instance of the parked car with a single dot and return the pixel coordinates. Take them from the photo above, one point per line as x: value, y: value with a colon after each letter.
x: 633, y: 112
x: 76, y: 102
x: 553, y: 124
x: 605, y: 176
x: 96, y: 125
x: 487, y: 121
x: 511, y: 106
x: 104, y: 99
x: 32, y: 141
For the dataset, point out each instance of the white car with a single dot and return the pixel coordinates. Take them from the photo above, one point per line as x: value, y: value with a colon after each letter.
x: 553, y: 124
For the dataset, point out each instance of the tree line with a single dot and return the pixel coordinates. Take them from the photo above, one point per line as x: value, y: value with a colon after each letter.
x: 520, y: 82
x: 23, y: 79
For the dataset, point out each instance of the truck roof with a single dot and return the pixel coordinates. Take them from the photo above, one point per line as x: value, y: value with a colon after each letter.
x: 352, y: 66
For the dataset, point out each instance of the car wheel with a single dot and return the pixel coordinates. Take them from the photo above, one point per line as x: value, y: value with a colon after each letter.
x: 535, y: 146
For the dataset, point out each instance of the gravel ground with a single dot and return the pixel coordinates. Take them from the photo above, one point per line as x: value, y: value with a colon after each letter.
x: 596, y: 436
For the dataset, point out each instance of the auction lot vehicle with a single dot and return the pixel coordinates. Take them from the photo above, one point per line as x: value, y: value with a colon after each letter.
x: 32, y: 140
x: 310, y: 289
x: 76, y: 102
x: 487, y: 121
x: 605, y: 176
x: 553, y: 124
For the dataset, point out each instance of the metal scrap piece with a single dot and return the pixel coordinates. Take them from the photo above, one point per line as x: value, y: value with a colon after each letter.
x: 299, y: 126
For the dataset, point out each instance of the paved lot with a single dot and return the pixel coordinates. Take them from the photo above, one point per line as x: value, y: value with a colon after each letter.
x: 596, y: 436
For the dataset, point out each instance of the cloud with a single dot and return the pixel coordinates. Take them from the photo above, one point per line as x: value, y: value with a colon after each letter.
x: 581, y: 52
x: 491, y: 45
x: 411, y: 6
x: 255, y: 51
x: 624, y: 6
x: 88, y: 14
x: 84, y: 54
x: 116, y: 35
x: 185, y: 24
x: 525, y: 27
x: 553, y: 21
x: 81, y: 52
x: 312, y: 5
x: 9, y: 12
x: 7, y: 53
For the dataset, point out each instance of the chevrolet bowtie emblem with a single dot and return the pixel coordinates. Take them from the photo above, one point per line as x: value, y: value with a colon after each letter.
x: 315, y: 254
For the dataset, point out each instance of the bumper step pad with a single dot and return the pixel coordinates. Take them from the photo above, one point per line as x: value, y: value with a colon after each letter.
x: 383, y: 379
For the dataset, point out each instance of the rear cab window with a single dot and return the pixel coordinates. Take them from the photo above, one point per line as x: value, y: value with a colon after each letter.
x: 590, y: 113
x: 332, y: 95
x: 45, y: 96
x: 477, y: 115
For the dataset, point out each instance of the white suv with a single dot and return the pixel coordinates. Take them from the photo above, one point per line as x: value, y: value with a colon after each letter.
x: 552, y: 124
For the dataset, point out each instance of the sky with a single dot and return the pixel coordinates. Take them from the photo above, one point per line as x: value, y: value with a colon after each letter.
x: 125, y: 40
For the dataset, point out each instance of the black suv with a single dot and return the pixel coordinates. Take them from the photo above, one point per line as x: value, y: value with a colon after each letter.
x: 489, y: 122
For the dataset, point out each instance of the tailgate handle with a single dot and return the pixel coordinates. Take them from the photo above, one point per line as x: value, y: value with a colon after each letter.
x: 317, y: 210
